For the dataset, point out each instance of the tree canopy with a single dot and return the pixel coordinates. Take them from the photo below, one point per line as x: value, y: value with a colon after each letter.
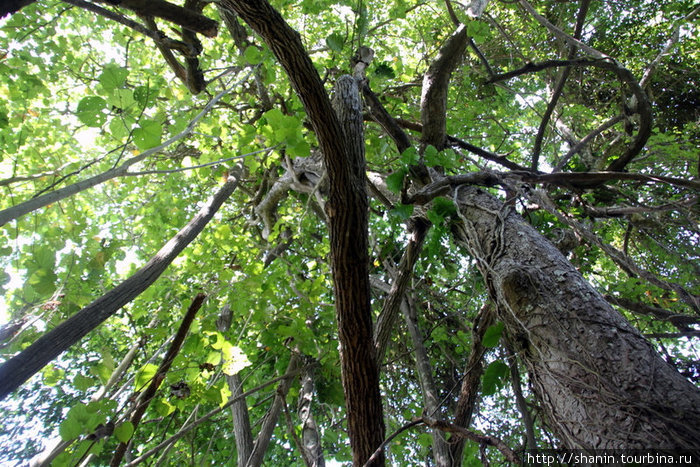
x: 236, y: 232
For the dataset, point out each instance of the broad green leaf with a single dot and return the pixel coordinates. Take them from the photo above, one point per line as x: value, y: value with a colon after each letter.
x: 335, y: 42
x: 492, y: 335
x: 113, y: 76
x: 148, y: 134
x: 83, y: 383
x: 69, y: 429
x: 410, y: 156
x: 394, y: 182
x: 252, y: 55
x: 124, y: 431
x: 494, y: 377
x: 91, y: 111
x: 402, y: 211
x: 145, y: 375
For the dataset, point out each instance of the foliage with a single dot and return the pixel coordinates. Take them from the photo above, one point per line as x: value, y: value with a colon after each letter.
x: 82, y: 94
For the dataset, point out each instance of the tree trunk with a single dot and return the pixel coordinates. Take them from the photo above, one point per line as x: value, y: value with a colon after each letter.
x: 603, y: 386
x: 239, y: 410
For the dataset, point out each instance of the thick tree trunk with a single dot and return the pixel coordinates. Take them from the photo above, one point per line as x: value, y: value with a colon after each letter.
x: 601, y: 383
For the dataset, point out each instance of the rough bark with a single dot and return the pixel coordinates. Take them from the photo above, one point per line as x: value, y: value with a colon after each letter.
x: 347, y: 211
x: 601, y: 383
x: 24, y: 365
x: 310, y: 437
x: 435, y: 83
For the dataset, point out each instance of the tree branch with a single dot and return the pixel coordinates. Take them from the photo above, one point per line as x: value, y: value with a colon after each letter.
x: 559, y: 86
x: 182, y: 16
x: 33, y: 204
x: 433, y: 105
x: 147, y: 396
x: 417, y: 229
x: 24, y: 365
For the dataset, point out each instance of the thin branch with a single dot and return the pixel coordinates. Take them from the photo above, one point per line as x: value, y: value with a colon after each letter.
x: 682, y: 322
x: 160, y: 39
x: 193, y: 167
x: 643, y: 107
x: 561, y: 34
x: 170, y: 12
x: 150, y: 392
x: 417, y: 229
x: 15, y: 371
x: 675, y: 36
x: 559, y: 86
x: 587, y: 139
x: 594, y: 179
x: 187, y: 428
x: 33, y: 204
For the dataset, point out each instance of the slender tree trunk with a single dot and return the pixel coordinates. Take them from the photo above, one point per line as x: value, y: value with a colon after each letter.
x: 263, y: 439
x: 341, y: 142
x: 431, y: 399
x: 239, y: 409
x: 310, y: 437
x: 601, y: 383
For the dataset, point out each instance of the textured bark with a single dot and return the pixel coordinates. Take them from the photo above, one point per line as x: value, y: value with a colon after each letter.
x: 177, y: 14
x: 310, y: 437
x: 348, y: 212
x: 601, y: 383
x: 24, y: 365
x: 433, y: 105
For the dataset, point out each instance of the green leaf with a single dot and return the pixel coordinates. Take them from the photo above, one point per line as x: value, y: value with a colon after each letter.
x: 91, y: 111
x: 83, y: 383
x: 402, y: 211
x: 148, y: 134
x: 410, y: 156
x: 492, y: 335
x: 113, y: 76
x: 335, y: 42
x: 252, y: 55
x: 145, y: 375
x: 430, y: 155
x: 394, y: 182
x: 69, y: 429
x: 124, y: 431
x: 494, y: 377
